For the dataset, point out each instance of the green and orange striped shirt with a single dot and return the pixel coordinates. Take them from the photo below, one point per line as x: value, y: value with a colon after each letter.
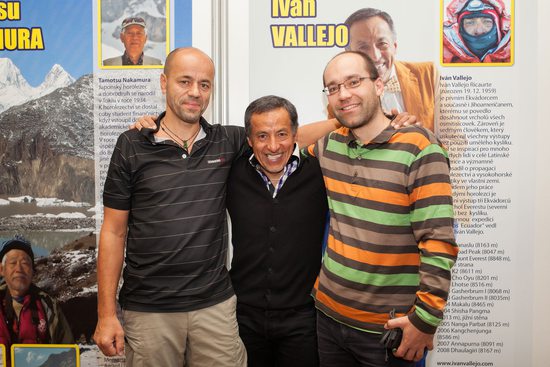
x: 391, y: 242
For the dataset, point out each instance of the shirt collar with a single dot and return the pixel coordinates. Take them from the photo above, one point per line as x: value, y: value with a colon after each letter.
x: 127, y: 61
x: 393, y: 73
x: 295, y: 156
x: 383, y: 137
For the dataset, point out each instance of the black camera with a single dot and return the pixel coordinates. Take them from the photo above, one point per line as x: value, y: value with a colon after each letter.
x: 392, y: 338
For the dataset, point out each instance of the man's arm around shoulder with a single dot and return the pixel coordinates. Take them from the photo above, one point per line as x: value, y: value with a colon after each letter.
x: 109, y: 335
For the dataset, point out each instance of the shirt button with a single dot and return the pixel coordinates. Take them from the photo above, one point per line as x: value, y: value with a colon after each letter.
x: 270, y: 271
x: 273, y: 229
x: 184, y: 155
x: 271, y: 249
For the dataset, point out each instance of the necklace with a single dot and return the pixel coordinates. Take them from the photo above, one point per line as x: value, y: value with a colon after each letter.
x: 186, y: 142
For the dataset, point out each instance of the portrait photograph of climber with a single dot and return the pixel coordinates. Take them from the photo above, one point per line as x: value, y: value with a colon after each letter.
x: 477, y: 32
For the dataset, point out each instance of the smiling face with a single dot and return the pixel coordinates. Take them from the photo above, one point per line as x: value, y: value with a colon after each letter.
x: 17, y: 272
x: 187, y: 84
x: 272, y: 140
x: 133, y: 37
x: 353, y: 107
x: 374, y: 38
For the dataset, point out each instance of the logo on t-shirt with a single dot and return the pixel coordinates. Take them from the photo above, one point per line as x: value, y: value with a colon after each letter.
x: 220, y: 160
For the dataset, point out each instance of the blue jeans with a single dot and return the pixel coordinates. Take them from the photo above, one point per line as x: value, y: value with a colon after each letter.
x: 341, y: 345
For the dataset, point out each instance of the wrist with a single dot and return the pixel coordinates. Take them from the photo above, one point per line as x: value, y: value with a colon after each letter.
x: 421, y: 324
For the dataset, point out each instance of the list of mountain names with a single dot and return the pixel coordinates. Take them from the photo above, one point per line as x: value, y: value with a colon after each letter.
x: 474, y: 127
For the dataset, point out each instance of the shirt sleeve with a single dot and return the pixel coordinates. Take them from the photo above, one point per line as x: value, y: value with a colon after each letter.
x: 237, y: 136
x: 310, y: 150
x: 432, y: 221
x: 118, y: 183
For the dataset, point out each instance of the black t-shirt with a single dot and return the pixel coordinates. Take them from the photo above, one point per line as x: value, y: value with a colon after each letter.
x: 176, y: 248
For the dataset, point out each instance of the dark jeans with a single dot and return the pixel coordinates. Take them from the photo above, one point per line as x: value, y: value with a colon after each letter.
x: 341, y: 345
x: 279, y: 338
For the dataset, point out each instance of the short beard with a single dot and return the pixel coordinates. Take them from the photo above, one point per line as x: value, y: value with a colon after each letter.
x: 369, y: 116
x: 357, y: 125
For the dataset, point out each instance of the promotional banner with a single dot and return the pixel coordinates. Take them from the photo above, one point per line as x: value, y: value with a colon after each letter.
x: 473, y: 104
x: 70, y: 83
x: 66, y: 94
x: 47, y: 181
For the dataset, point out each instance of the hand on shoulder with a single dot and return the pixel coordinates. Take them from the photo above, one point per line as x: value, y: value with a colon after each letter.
x: 147, y: 122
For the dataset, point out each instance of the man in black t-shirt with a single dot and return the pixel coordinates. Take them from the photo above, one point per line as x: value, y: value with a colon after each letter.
x: 164, y: 217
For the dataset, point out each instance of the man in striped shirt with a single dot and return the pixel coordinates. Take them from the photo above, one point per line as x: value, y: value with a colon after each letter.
x: 391, y: 244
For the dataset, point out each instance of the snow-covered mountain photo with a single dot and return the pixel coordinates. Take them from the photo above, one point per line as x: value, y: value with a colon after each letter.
x: 113, y: 12
x: 46, y: 146
x: 46, y: 142
x: 15, y: 90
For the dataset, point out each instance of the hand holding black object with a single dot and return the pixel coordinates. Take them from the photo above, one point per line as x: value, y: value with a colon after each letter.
x: 391, y: 339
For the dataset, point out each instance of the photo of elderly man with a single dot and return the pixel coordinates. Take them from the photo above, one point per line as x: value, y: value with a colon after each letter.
x: 133, y: 36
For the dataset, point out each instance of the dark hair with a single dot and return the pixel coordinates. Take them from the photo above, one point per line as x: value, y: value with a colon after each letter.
x: 367, y: 13
x: 270, y: 103
x: 17, y: 243
x: 369, y: 64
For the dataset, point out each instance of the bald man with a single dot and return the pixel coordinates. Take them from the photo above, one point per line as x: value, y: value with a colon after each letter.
x: 165, y: 219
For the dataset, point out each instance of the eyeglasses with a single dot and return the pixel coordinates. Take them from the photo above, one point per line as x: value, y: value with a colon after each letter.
x: 351, y: 83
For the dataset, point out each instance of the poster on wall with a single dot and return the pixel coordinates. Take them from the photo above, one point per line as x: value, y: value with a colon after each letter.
x: 127, y: 87
x: 132, y: 44
x: 67, y: 90
x: 459, y: 66
x: 47, y: 183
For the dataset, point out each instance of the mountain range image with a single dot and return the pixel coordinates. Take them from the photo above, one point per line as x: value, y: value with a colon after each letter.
x: 64, y: 359
x: 15, y: 90
x: 47, y: 138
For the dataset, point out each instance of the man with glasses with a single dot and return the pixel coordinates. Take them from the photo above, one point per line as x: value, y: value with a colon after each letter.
x: 391, y: 244
x: 133, y: 36
x: 476, y: 31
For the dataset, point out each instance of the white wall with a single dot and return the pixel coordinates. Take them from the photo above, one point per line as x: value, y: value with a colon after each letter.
x: 239, y: 56
x: 541, y: 301
x: 202, y: 34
